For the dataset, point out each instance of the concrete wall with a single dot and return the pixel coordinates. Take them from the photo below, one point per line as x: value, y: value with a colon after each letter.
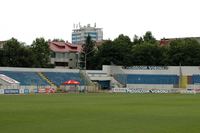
x: 73, y: 60
x: 173, y: 70
x: 99, y: 74
x: 38, y: 69
x: 150, y: 86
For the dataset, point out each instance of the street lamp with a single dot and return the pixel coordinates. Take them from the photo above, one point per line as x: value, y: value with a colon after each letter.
x: 85, y: 62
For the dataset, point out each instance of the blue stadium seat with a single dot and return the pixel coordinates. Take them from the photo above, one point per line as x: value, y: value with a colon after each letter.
x: 121, y: 78
x: 59, y: 77
x: 195, y: 79
x: 147, y: 79
x: 152, y: 79
x: 25, y: 78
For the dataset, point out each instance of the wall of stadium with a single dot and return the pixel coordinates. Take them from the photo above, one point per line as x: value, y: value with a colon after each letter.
x: 18, y: 69
x: 150, y: 86
x: 185, y: 77
x: 185, y: 70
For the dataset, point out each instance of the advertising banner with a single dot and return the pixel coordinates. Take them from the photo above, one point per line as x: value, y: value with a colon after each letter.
x: 123, y: 90
x: 41, y: 90
x: 159, y: 91
x: 137, y: 90
x: 50, y: 90
x: 26, y: 91
x: 21, y: 91
x: 11, y: 91
x: 140, y: 90
x: 1, y: 91
x: 35, y: 90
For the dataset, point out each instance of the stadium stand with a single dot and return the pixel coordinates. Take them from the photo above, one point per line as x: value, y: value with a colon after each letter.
x: 152, y: 79
x: 103, y: 84
x: 121, y: 78
x: 147, y: 79
x: 59, y: 77
x: 172, y: 77
x: 195, y: 79
x: 25, y: 78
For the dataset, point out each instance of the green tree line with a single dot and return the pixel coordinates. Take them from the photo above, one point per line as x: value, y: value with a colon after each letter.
x: 144, y: 50
x: 17, y: 54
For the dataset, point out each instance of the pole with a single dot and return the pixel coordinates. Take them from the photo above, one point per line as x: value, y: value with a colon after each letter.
x: 85, y: 54
x: 85, y: 61
x: 85, y: 70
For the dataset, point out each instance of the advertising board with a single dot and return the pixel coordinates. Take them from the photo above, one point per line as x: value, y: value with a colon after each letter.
x: 1, y: 91
x: 26, y: 91
x: 21, y: 91
x: 35, y: 90
x: 140, y: 90
x: 41, y: 90
x: 11, y: 91
x: 122, y: 90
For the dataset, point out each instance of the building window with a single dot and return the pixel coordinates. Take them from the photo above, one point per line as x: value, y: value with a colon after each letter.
x: 59, y: 55
x: 65, y: 64
x: 66, y: 55
x: 53, y: 54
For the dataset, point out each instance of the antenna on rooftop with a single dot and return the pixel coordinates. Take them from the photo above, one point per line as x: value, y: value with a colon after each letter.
x: 79, y: 25
x: 74, y: 26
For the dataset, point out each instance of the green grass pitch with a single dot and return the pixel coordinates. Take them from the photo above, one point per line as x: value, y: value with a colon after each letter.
x: 100, y: 113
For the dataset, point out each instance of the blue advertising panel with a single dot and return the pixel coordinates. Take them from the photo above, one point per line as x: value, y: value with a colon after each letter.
x: 35, y: 90
x: 26, y: 91
x: 11, y: 91
x: 1, y: 91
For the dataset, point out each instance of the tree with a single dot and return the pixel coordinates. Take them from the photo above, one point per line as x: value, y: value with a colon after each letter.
x: 122, y: 40
x: 16, y: 54
x: 117, y: 52
x: 87, y: 53
x: 184, y: 52
x: 27, y: 57
x: 149, y: 38
x: 148, y: 54
x: 11, y: 52
x: 1, y: 57
x: 123, y: 46
x: 137, y: 40
x: 107, y: 53
x: 58, y: 40
x: 41, y: 52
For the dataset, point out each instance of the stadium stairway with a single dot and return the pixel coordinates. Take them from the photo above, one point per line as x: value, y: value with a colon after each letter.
x: 88, y: 81
x: 86, y: 78
x: 116, y: 83
x: 46, y: 79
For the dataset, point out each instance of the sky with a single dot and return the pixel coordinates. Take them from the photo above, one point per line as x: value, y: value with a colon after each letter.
x: 29, y: 19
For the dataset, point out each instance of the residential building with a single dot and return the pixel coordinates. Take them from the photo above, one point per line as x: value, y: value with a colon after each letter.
x: 79, y: 34
x: 64, y: 54
x: 166, y: 41
x: 2, y: 44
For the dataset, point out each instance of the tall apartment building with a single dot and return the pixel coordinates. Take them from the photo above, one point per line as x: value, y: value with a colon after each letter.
x: 79, y: 33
